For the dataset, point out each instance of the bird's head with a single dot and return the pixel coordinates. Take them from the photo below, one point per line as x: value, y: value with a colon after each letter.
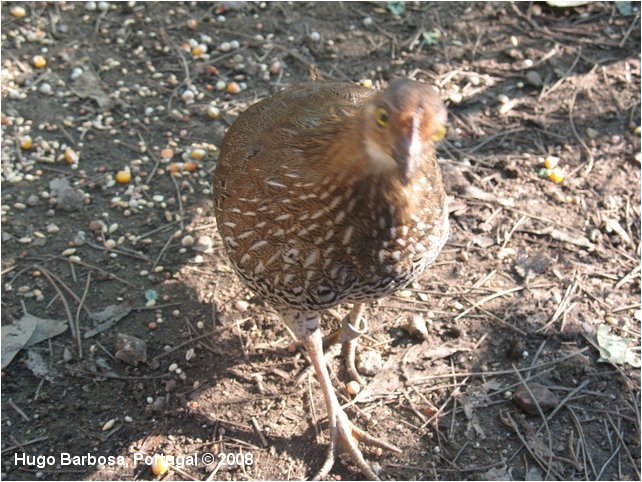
x: 400, y: 127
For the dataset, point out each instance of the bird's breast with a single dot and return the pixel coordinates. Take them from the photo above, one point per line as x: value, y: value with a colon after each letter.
x: 317, y: 244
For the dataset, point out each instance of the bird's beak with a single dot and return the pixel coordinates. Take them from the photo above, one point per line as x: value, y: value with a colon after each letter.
x: 409, y: 151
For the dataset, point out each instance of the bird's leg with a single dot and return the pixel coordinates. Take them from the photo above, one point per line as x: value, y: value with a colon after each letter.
x: 342, y: 432
x: 353, y: 326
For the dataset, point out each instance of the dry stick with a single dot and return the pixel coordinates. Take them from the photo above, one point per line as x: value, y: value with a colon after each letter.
x: 180, y: 202
x: 162, y: 251
x: 24, y: 444
x: 17, y: 409
x: 80, y: 305
x: 591, y: 160
x: 582, y: 441
x: 527, y: 446
x: 259, y: 432
x: 546, y: 92
x: 501, y: 372
x: 628, y: 32
x: 492, y: 297
x: 615, y: 452
x: 192, y: 340
x: 49, y: 277
x: 544, y: 422
x: 561, y: 307
x: 623, y: 444
x: 106, y: 273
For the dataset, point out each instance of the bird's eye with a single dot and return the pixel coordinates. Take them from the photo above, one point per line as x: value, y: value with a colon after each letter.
x: 439, y: 134
x: 381, y: 116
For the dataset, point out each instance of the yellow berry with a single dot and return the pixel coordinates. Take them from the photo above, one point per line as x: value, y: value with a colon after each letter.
x: 18, y: 11
x: 71, y: 156
x: 556, y: 175
x: 637, y: 131
x: 550, y: 162
x: 26, y: 143
x: 39, y: 62
x: 160, y: 465
x: 123, y: 176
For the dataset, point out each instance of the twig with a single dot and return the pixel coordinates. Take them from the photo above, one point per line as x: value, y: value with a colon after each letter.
x: 591, y: 161
x: 17, y: 409
x: 259, y: 432
x: 24, y: 444
x: 80, y: 305
x: 544, y: 423
x: 51, y: 277
x: 180, y: 202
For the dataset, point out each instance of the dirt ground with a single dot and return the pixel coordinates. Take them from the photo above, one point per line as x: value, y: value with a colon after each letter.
x: 534, y: 275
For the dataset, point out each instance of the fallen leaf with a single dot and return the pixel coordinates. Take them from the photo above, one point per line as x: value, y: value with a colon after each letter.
x: 15, y: 337
x: 108, y: 317
x: 615, y: 349
x: 38, y: 366
x: 45, y: 329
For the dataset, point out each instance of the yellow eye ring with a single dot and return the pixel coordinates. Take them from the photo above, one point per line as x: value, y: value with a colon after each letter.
x: 381, y: 116
x: 439, y: 134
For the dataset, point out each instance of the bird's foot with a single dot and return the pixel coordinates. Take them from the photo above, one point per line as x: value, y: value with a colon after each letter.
x: 344, y: 437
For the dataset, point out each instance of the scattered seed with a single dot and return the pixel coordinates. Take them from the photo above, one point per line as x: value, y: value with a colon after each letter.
x: 551, y: 161
x: 233, y: 88
x: 198, y: 154
x: 18, y: 11
x: 241, y: 305
x: 213, y: 112
x: 353, y: 387
x: 69, y: 251
x: 188, y: 240
x: 123, y: 176
x: 315, y: 36
x: 160, y: 465
x: 39, y: 62
x: 556, y: 175
x: 108, y: 425
x: 26, y: 143
x: 173, y: 367
x: 71, y: 156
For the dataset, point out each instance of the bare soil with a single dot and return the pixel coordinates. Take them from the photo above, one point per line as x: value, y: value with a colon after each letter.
x: 531, y: 270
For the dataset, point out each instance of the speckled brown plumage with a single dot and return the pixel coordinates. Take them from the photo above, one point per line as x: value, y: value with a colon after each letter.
x: 330, y: 193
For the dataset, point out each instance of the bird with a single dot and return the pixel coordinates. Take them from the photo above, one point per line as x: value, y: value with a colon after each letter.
x: 328, y: 193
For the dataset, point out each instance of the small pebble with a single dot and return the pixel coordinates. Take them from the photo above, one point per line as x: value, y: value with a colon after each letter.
x: 315, y: 36
x: 369, y: 362
x: 367, y: 21
x: 534, y: 78
x: 225, y: 47
x: 188, y: 240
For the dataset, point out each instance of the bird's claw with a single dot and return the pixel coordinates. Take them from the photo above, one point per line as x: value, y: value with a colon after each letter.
x: 344, y: 436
